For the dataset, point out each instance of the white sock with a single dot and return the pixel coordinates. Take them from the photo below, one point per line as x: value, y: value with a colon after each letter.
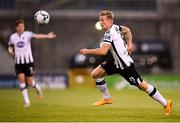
x: 37, y: 87
x: 156, y: 95
x: 102, y: 86
x: 24, y: 92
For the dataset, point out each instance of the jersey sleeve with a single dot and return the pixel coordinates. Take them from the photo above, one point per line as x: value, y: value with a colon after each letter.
x: 120, y: 28
x: 11, y: 41
x: 107, y: 38
x: 31, y: 34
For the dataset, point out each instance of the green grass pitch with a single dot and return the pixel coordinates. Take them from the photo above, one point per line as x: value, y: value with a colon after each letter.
x: 75, y: 104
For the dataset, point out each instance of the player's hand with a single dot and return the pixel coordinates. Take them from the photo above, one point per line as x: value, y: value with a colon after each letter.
x: 83, y: 51
x: 130, y: 49
x: 11, y: 51
x: 51, y: 35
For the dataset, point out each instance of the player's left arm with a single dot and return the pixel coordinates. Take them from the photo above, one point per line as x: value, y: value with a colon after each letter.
x: 98, y: 51
x: 128, y: 37
x: 50, y: 35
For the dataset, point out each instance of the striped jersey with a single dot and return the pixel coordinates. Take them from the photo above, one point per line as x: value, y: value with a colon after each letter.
x: 22, y: 47
x: 115, y: 38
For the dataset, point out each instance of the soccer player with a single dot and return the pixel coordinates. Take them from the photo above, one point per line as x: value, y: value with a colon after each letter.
x: 20, y: 48
x: 118, y: 39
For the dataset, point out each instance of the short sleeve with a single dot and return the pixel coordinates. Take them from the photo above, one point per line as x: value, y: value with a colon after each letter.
x: 107, y: 38
x: 120, y: 28
x: 11, y: 41
x: 30, y: 34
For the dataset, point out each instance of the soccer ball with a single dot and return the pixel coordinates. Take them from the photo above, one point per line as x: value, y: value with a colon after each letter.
x: 42, y: 17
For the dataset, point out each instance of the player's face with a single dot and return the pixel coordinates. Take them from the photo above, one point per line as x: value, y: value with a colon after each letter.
x: 20, y: 28
x: 105, y: 22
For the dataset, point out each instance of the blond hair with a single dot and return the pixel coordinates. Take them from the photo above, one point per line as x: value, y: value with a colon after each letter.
x: 108, y: 14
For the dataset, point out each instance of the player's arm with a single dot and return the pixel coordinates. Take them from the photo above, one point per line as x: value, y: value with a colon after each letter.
x: 50, y: 35
x: 128, y: 37
x: 11, y: 49
x: 11, y: 46
x: 98, y: 51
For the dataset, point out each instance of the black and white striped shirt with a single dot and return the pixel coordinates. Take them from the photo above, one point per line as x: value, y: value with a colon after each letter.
x: 22, y: 47
x: 114, y: 37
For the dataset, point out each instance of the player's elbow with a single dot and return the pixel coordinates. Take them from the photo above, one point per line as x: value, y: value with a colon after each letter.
x: 37, y: 37
x: 104, y: 52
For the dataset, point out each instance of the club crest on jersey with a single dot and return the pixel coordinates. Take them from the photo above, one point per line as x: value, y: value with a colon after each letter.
x: 107, y: 37
x: 20, y: 44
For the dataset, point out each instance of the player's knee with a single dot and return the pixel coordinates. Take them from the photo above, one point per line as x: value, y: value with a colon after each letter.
x: 94, y: 75
x: 97, y: 73
x: 143, y: 85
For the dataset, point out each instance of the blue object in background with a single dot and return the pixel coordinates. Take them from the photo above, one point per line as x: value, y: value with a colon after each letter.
x: 8, y: 81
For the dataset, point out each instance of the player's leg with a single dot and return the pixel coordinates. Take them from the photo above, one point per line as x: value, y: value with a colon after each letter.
x: 98, y: 74
x: 30, y: 80
x: 32, y: 83
x: 154, y: 93
x: 23, y: 88
x: 133, y: 77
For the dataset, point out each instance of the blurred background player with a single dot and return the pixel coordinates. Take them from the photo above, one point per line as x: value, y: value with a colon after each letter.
x: 118, y: 39
x: 20, y: 48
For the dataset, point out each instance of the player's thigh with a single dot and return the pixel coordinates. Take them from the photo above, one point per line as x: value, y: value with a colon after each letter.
x: 143, y: 85
x: 29, y: 80
x: 98, y: 72
x: 21, y: 77
x: 20, y: 72
x: 131, y: 75
x: 29, y: 69
x: 109, y: 67
x: 29, y: 73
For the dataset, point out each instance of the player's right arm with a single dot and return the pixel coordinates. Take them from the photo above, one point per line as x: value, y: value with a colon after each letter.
x: 11, y: 46
x: 11, y: 49
x: 104, y: 46
x: 98, y: 51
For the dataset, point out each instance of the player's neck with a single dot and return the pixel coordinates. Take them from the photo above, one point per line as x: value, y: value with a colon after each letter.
x: 19, y: 33
x: 109, y: 27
